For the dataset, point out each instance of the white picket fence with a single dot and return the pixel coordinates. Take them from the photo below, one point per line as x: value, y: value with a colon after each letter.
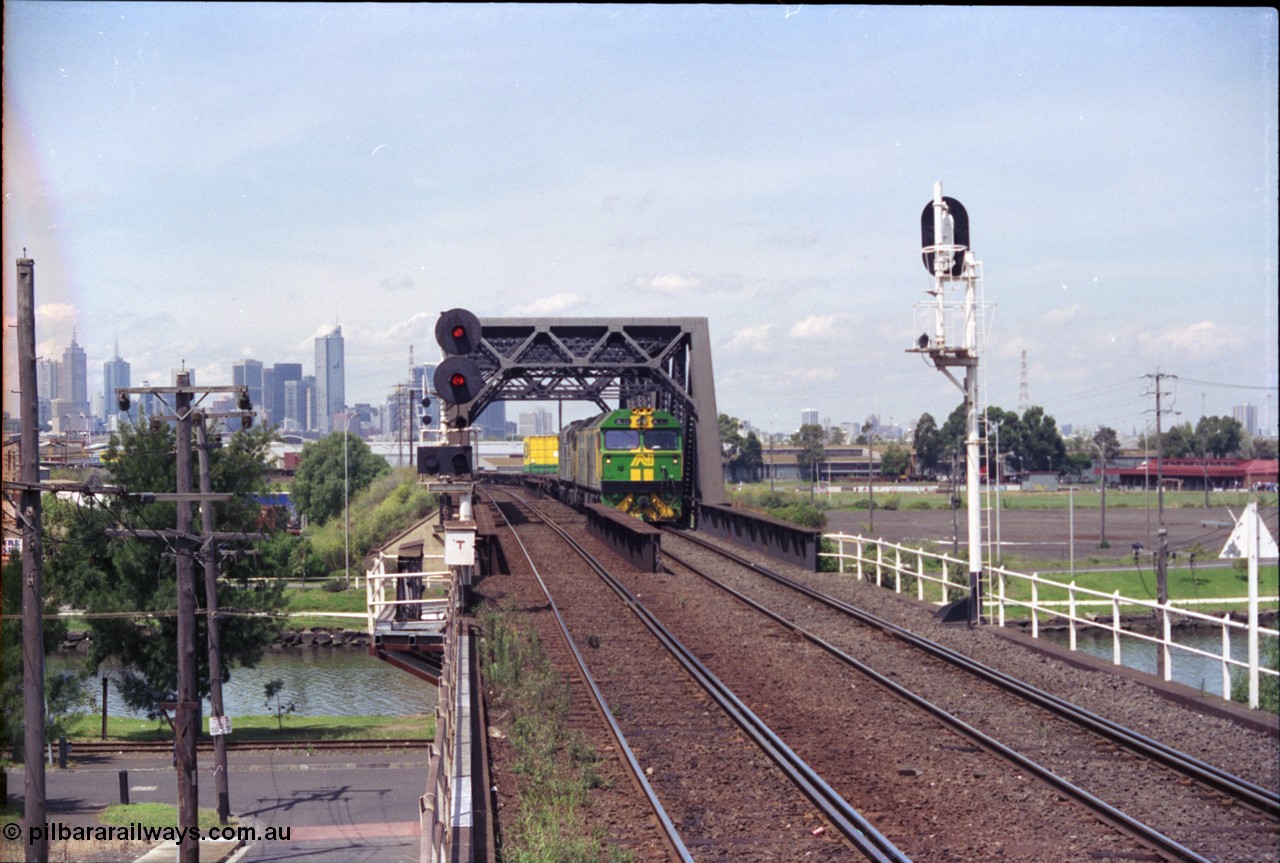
x: 940, y: 578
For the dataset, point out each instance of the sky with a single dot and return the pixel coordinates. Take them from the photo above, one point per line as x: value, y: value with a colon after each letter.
x: 205, y: 183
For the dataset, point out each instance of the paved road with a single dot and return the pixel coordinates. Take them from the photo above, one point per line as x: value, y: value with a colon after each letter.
x: 360, y: 807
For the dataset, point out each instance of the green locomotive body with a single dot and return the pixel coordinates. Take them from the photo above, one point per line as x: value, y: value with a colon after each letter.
x: 630, y: 459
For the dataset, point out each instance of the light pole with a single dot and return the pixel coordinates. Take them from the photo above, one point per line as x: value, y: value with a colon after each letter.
x: 1102, y: 477
x: 346, y: 501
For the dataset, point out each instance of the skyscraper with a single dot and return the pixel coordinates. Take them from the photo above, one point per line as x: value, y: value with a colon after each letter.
x: 248, y: 373
x: 115, y: 375
x: 1247, y: 416
x: 274, y: 380
x: 331, y: 393
x: 70, y: 408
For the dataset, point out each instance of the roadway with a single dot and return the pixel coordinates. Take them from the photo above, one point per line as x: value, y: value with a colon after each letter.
x: 359, y: 807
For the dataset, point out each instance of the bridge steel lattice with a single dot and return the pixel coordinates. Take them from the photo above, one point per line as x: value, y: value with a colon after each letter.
x: 663, y: 363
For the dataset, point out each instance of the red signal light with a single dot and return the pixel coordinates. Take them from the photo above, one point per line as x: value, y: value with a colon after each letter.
x: 458, y: 380
x: 458, y: 331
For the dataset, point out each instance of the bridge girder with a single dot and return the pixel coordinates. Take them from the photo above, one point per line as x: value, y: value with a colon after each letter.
x: 657, y: 362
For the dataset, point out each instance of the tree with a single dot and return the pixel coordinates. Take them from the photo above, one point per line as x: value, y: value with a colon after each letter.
x: 1219, y: 437
x: 752, y: 457
x: 1043, y: 447
x: 1179, y: 442
x: 318, y: 489
x: 927, y: 443
x: 1109, y: 441
x: 60, y: 688
x: 809, y: 438
x: 100, y: 561
x: 895, y: 461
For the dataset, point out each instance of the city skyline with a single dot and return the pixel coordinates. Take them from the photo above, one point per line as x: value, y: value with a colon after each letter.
x: 210, y: 182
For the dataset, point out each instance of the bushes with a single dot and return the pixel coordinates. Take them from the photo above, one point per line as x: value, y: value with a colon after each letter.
x: 795, y: 508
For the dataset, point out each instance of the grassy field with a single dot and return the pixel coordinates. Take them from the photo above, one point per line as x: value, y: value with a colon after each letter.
x: 1085, y: 497
x: 89, y: 727
x: 1184, y: 584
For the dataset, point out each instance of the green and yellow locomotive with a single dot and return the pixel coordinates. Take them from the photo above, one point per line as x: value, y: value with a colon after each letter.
x: 630, y: 459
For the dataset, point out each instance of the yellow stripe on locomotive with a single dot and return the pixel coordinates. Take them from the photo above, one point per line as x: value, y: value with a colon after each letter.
x: 631, y: 459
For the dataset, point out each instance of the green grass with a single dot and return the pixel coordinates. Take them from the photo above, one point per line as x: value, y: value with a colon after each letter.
x: 154, y: 815
x: 88, y: 727
x: 317, y: 600
x: 1184, y: 583
x: 1086, y: 497
x: 554, y: 768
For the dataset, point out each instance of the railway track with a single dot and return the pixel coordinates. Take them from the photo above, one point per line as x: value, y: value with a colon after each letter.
x: 1205, y: 807
x: 707, y: 812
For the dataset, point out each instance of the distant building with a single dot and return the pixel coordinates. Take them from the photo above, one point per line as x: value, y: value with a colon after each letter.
x: 330, y: 379
x: 273, y: 390
x: 492, y: 421
x: 299, y: 404
x: 535, y: 422
x: 115, y: 375
x: 1247, y: 416
x: 248, y: 373
x: 809, y: 417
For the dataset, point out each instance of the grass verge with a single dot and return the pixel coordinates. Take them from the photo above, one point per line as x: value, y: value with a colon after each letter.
x: 154, y: 816
x: 554, y: 767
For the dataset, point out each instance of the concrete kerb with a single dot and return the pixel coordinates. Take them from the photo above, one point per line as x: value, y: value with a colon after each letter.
x: 211, y: 851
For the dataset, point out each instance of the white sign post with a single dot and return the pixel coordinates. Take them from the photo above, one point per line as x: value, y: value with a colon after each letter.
x: 1251, y: 540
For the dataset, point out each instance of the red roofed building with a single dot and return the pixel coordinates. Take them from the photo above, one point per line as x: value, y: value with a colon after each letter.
x: 1194, y: 473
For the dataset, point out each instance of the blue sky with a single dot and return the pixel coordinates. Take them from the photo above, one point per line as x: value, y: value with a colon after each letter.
x: 209, y: 182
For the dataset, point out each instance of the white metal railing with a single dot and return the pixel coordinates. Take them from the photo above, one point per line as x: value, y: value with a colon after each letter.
x: 941, y: 578
x: 382, y: 595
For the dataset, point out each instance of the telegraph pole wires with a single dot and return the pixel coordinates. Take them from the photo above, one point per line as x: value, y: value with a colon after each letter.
x: 1162, y: 549
x: 187, y: 707
x: 32, y: 573
x: 1156, y: 378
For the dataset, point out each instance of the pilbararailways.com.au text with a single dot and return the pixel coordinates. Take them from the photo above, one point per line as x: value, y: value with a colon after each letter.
x: 57, y: 831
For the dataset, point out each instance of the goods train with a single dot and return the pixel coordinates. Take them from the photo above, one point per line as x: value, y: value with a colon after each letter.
x: 630, y: 459
x: 541, y: 455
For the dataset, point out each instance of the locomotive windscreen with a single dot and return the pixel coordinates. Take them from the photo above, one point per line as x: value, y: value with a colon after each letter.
x: 661, y: 439
x: 627, y: 439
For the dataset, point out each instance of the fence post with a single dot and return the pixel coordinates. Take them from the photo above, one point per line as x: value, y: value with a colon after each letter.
x: 1226, y: 654
x: 1000, y: 613
x: 1166, y: 642
x: 920, y: 574
x: 1035, y: 605
x: 944, y: 581
x: 879, y: 562
x: 861, y: 551
x: 897, y: 569
x: 1071, y: 615
x: 840, y: 550
x: 1115, y: 628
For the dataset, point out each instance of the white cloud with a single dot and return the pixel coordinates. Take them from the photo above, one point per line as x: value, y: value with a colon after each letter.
x: 398, y: 282
x: 55, y: 311
x: 750, y: 339
x: 669, y: 283
x: 1195, y: 341
x: 552, y: 305
x: 816, y: 327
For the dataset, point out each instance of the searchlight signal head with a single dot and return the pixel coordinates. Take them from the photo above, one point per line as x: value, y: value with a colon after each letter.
x: 458, y: 332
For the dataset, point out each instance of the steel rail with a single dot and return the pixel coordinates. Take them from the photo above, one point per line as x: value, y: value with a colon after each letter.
x: 670, y: 836
x: 1265, y: 800
x: 841, y: 814
x: 1117, y: 818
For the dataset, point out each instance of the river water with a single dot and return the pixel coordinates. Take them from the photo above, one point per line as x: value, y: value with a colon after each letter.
x: 1190, y: 669
x: 319, y: 682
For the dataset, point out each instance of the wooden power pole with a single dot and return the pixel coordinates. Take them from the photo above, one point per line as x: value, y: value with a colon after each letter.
x: 32, y: 563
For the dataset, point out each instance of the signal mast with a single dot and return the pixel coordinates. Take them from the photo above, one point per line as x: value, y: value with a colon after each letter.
x: 952, y: 336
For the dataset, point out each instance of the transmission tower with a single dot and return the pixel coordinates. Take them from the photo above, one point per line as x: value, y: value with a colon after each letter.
x: 1024, y: 399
